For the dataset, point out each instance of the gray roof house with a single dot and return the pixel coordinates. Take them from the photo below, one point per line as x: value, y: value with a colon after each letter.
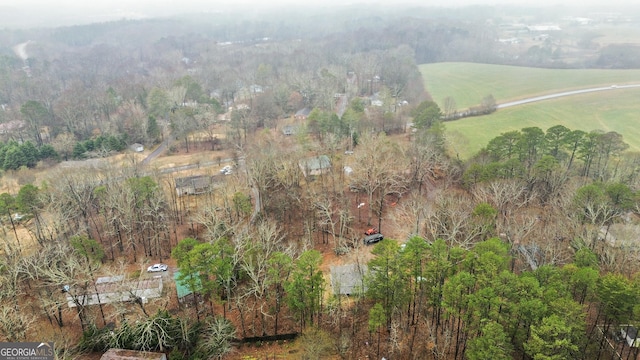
x: 111, y: 289
x: 302, y: 113
x: 348, y: 279
x: 630, y: 334
x: 193, y: 185
x: 316, y: 165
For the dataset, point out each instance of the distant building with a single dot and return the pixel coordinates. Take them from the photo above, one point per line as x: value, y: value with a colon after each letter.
x: 137, y: 147
x: 315, y: 166
x: 289, y: 129
x: 513, y: 27
x: 302, y: 114
x: 121, y: 354
x: 348, y: 279
x: 375, y: 100
x: 194, y: 185
x: 543, y: 28
x: 510, y: 41
x: 577, y: 20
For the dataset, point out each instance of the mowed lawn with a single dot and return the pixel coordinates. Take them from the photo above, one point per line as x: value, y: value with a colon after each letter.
x: 617, y: 110
x: 468, y: 83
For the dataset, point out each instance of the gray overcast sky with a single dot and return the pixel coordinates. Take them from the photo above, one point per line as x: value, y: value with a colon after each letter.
x: 25, y: 13
x: 204, y: 3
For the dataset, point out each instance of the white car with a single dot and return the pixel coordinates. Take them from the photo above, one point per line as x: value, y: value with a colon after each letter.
x: 157, y: 268
x: 226, y: 170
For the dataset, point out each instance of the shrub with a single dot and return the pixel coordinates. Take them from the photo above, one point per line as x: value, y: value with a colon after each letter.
x: 135, y: 274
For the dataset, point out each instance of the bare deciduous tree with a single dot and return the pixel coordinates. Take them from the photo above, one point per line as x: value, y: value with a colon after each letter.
x: 450, y: 219
x: 379, y: 172
x: 254, y: 251
x: 449, y: 106
x: 14, y: 323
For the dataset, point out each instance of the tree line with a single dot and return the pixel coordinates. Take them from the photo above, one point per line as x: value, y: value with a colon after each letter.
x: 532, y: 152
x: 14, y: 156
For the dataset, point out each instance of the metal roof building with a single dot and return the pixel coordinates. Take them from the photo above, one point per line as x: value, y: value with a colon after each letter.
x: 348, y: 279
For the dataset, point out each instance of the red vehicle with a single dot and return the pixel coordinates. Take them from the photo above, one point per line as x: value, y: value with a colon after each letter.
x: 371, y: 231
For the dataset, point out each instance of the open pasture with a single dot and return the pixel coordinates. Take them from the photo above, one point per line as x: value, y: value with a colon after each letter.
x: 607, y: 111
x: 468, y: 83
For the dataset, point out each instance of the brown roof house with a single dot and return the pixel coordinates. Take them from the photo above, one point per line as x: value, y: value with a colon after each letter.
x: 121, y: 354
x: 315, y: 166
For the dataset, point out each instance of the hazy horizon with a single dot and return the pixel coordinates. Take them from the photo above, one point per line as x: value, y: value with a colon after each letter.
x: 40, y: 13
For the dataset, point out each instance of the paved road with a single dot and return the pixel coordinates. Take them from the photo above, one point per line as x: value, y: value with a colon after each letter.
x: 200, y: 165
x: 157, y: 151
x: 566, y: 93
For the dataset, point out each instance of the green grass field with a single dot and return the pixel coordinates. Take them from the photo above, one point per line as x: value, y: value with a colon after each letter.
x: 617, y: 110
x: 468, y: 83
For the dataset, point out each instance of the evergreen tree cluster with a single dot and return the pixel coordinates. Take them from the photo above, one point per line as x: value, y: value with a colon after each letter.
x: 532, y: 152
x: 492, y: 312
x: 102, y: 143
x: 13, y: 156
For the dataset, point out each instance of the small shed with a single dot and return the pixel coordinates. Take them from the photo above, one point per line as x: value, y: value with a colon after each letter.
x: 122, y: 354
x: 193, y: 185
x: 630, y: 335
x: 137, y: 147
x: 314, y: 166
x: 183, y: 290
x: 348, y: 279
